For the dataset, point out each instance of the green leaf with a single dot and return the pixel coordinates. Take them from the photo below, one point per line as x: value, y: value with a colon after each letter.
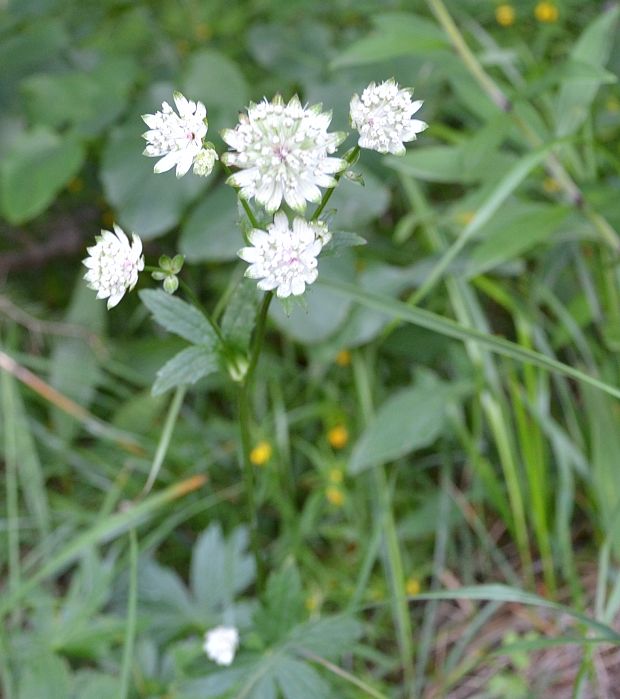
x: 450, y: 328
x: 88, y: 312
x: 283, y: 604
x: 357, y: 206
x: 340, y: 240
x: 211, y: 232
x: 577, y: 93
x: 513, y: 232
x: 411, y: 419
x: 221, y: 567
x: 186, y: 368
x: 34, y: 170
x: 396, y: 34
x: 240, y: 315
x: 179, y: 317
x: 298, y: 680
x: 330, y: 637
x: 95, y: 685
x: 45, y: 676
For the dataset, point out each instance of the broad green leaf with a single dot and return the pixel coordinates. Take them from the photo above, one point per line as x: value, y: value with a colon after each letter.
x: 450, y: 328
x: 299, y: 680
x: 357, y: 206
x: 265, y: 688
x: 411, y: 419
x: 146, y: 203
x: 323, y: 312
x: 221, y: 568
x: 45, y: 676
x: 341, y: 240
x: 86, y: 101
x: 186, y: 368
x: 179, y: 317
x: 218, y: 82
x: 514, y: 231
x: 577, y: 92
x: 211, y: 232
x: 330, y: 637
x: 283, y: 604
x: 216, y: 684
x: 605, y: 440
x: 95, y: 685
x: 240, y: 314
x: 395, y: 34
x: 34, y: 170
x: 88, y: 312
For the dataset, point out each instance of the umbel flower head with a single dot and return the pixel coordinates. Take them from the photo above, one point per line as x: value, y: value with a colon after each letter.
x: 382, y: 115
x: 282, y: 258
x: 221, y: 644
x: 283, y: 152
x: 113, y: 264
x: 175, y: 138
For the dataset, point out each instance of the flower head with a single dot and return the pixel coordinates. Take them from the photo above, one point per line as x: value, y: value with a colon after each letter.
x: 546, y: 12
x: 176, y: 138
x: 382, y: 115
x: 282, y: 258
x: 283, y: 152
x: 113, y: 264
x: 221, y: 644
x: 204, y: 162
x: 505, y: 15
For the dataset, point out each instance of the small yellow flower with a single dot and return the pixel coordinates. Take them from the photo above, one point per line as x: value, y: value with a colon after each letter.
x: 335, y: 475
x: 412, y: 586
x: 505, y: 15
x: 334, y: 496
x: 338, y: 436
x: 313, y: 601
x: 546, y: 12
x: 465, y: 217
x: 551, y: 185
x: 343, y: 358
x: 75, y: 185
x: 202, y: 31
x: 261, y: 453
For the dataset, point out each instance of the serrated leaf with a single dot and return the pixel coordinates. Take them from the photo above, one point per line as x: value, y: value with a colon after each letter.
x: 340, y: 240
x: 221, y: 568
x: 45, y: 676
x: 185, y: 368
x: 329, y: 638
x: 283, y: 604
x: 34, y: 170
x: 179, y: 317
x: 240, y: 314
x: 298, y: 680
x: 577, y: 92
x: 411, y: 419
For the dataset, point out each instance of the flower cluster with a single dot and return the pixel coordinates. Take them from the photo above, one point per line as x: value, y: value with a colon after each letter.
x: 176, y: 138
x: 221, y: 644
x: 283, y: 257
x: 382, y: 116
x: 113, y: 264
x: 283, y: 152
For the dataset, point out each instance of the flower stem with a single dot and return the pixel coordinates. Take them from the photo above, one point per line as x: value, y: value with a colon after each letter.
x: 328, y: 192
x: 246, y: 439
x: 244, y: 203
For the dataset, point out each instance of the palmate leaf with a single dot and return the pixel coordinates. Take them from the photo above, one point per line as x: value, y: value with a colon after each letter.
x: 186, y: 368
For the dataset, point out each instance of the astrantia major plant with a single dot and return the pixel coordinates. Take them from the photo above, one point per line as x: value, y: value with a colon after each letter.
x: 284, y: 157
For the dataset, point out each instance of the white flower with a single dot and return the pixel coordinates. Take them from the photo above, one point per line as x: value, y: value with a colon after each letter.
x: 283, y: 153
x: 285, y: 259
x: 204, y: 162
x: 176, y: 137
x: 113, y: 264
x: 221, y: 644
x: 382, y: 115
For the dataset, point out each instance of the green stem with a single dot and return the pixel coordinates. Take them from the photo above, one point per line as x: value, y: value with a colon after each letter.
x: 131, y: 625
x: 244, y: 203
x: 328, y: 192
x: 245, y: 414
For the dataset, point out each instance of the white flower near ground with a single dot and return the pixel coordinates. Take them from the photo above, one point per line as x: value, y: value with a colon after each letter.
x: 284, y: 258
x: 204, y: 162
x: 283, y: 152
x: 383, y: 117
x: 175, y: 138
x: 113, y: 264
x: 221, y: 644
